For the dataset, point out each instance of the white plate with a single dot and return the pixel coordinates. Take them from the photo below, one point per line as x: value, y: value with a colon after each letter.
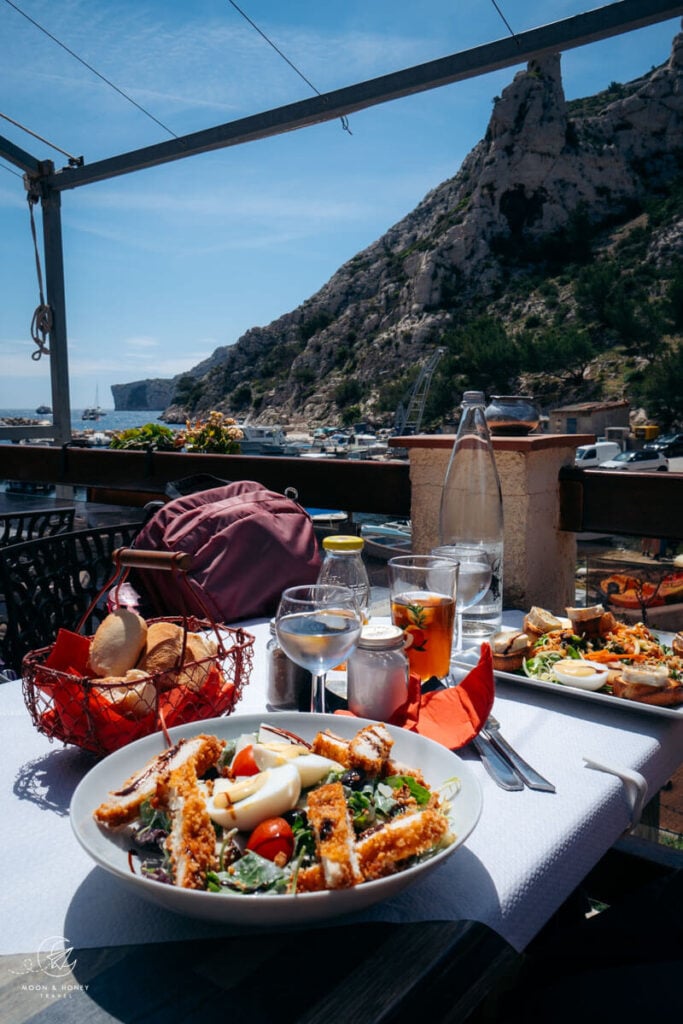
x: 436, y: 762
x: 469, y: 658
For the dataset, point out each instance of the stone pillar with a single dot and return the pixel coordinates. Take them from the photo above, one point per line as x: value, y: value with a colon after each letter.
x: 540, y: 560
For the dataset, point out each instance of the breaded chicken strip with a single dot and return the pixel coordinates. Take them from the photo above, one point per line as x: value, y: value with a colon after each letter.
x: 382, y: 851
x: 124, y: 804
x: 329, y: 818
x: 191, y: 843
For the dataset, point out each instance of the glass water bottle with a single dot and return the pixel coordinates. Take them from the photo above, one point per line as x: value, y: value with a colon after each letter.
x: 472, y: 510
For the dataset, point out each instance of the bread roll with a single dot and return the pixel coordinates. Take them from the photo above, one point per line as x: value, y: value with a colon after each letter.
x: 117, y: 643
x: 198, y: 648
x: 133, y: 695
x: 162, y: 652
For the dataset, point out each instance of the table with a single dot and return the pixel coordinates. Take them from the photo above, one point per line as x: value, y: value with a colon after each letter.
x: 454, y: 931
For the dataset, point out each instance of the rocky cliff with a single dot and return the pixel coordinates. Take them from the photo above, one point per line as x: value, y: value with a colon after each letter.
x: 540, y: 162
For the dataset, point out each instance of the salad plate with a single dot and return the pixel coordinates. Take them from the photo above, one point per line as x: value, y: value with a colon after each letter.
x: 469, y: 658
x: 441, y: 768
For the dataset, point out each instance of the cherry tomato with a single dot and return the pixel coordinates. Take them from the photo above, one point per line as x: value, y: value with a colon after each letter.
x: 273, y: 839
x: 244, y: 762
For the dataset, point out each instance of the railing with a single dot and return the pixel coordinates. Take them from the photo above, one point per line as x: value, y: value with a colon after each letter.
x: 136, y: 477
x: 632, y: 504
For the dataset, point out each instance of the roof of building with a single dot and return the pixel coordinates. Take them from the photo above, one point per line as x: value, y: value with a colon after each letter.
x: 588, y: 407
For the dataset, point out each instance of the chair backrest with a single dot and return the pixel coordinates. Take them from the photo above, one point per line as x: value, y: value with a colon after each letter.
x: 17, y: 527
x: 49, y: 583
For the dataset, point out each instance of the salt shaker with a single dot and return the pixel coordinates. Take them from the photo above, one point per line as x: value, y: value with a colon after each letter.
x: 378, y: 672
x: 289, y: 685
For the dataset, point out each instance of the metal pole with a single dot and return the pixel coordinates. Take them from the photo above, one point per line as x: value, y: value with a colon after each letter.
x: 51, y: 202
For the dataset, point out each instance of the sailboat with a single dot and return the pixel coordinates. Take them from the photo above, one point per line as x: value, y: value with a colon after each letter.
x: 94, y: 412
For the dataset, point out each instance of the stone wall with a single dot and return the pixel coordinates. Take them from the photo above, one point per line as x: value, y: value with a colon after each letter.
x: 539, y: 559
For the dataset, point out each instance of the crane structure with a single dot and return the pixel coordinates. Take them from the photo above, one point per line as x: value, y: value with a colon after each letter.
x: 409, y: 421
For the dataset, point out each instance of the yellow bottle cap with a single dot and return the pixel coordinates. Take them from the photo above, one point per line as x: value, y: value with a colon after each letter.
x: 343, y: 542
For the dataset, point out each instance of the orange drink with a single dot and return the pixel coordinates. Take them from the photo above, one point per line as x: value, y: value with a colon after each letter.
x: 423, y: 592
x: 428, y: 619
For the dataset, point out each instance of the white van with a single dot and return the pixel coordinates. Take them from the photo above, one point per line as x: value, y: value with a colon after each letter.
x: 588, y: 455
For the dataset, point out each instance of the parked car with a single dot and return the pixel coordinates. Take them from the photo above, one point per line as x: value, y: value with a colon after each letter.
x: 588, y: 455
x: 638, y: 462
x: 670, y: 445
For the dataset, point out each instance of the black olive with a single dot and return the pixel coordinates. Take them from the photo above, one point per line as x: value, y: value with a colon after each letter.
x: 353, y: 779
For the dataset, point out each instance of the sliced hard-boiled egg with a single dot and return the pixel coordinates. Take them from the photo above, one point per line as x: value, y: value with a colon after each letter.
x: 581, y: 674
x: 242, y: 804
x: 311, y: 767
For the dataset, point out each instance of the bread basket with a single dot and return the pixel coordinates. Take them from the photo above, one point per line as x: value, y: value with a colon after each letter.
x: 68, y: 702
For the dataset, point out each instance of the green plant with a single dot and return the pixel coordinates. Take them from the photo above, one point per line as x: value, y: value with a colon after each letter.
x: 218, y: 434
x: 150, y: 437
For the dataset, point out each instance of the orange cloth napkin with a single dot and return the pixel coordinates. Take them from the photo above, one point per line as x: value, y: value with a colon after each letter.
x: 453, y: 716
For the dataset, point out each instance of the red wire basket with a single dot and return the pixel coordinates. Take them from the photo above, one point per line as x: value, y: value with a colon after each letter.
x: 67, y: 702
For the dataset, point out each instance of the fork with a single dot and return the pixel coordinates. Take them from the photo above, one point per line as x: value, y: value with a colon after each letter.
x: 531, y: 778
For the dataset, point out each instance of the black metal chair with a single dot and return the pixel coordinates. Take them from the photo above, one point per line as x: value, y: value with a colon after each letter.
x: 50, y: 582
x: 17, y: 527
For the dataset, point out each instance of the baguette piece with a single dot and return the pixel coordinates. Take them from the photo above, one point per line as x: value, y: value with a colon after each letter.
x: 649, y: 684
x: 538, y: 621
x: 669, y: 695
x: 586, y: 621
x: 509, y: 649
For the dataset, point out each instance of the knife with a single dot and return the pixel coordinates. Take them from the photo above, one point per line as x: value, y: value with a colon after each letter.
x: 531, y: 778
x: 498, y: 768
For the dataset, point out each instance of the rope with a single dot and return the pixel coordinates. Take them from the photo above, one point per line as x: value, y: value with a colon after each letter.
x: 41, y: 324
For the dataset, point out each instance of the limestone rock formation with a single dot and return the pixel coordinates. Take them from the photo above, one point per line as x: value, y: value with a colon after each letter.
x: 540, y: 161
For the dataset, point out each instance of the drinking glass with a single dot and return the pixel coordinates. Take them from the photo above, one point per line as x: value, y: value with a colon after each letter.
x: 422, y: 589
x: 318, y: 626
x: 474, y: 580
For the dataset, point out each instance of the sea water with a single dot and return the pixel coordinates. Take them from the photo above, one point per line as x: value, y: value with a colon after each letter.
x: 111, y: 419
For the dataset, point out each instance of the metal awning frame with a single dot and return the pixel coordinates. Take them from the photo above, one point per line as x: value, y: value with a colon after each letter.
x: 45, y: 184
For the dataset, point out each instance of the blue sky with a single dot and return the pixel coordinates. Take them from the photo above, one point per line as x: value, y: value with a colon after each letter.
x: 164, y: 265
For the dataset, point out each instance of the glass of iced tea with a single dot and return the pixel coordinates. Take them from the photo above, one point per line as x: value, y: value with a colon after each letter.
x: 423, y: 590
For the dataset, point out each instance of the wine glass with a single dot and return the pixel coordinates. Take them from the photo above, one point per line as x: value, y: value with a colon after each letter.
x: 474, y: 580
x: 318, y: 625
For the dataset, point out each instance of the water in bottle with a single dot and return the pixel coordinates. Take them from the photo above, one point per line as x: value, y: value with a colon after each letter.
x: 472, y: 510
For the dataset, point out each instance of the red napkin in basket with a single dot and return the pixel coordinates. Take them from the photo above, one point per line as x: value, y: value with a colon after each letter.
x: 454, y: 716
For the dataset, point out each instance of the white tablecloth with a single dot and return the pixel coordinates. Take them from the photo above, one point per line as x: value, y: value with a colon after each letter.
x: 528, y: 852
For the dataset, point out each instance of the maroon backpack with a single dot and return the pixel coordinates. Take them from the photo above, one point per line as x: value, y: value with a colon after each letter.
x: 247, y: 545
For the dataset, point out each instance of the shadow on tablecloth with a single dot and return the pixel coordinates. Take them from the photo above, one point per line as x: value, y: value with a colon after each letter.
x: 49, y: 781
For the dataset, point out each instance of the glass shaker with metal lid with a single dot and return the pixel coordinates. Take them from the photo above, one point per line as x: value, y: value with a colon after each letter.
x: 288, y: 684
x: 378, y: 672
